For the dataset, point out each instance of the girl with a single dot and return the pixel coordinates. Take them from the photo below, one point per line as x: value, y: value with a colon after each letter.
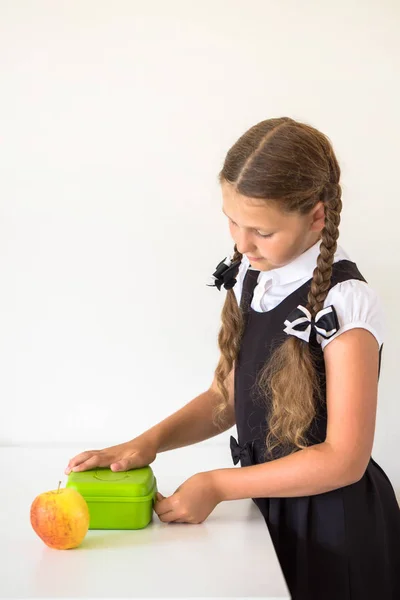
x: 301, y: 342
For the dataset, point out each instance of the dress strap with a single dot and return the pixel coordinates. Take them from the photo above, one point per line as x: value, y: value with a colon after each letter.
x: 249, y: 284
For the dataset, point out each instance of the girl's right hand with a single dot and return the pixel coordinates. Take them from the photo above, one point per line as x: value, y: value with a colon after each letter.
x: 130, y: 455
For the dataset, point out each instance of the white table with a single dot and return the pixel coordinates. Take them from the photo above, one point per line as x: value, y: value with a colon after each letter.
x: 230, y: 555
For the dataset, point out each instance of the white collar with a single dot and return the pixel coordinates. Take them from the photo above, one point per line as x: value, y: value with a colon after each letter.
x: 299, y: 268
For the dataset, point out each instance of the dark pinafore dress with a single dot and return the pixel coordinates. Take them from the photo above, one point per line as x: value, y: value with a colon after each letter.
x: 339, y: 545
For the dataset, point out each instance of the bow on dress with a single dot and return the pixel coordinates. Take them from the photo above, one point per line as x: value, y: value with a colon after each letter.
x: 241, y: 452
x: 300, y: 323
x: 225, y: 274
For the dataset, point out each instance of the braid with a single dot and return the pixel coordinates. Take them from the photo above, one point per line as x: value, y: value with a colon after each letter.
x: 237, y: 255
x: 229, y: 338
x: 331, y: 197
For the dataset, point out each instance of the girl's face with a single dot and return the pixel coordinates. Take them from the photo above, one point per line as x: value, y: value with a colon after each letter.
x: 269, y: 237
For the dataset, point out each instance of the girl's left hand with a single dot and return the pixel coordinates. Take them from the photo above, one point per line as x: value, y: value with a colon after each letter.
x: 192, y: 502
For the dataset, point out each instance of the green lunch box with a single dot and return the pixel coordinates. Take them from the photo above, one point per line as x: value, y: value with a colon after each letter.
x: 117, y: 500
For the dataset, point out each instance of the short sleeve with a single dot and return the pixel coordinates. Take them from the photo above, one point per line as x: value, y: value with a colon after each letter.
x: 356, y: 305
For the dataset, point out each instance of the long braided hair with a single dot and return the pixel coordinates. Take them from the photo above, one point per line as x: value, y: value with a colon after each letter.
x: 294, y: 165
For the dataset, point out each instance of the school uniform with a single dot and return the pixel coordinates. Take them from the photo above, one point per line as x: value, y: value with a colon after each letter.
x: 343, y: 544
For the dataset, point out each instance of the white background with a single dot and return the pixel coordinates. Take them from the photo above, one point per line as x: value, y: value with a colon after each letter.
x: 115, y: 118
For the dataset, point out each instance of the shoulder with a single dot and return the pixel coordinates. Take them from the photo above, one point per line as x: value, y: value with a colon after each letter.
x: 357, y: 305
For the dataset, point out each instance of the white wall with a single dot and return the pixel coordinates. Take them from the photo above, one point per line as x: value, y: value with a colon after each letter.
x: 115, y: 119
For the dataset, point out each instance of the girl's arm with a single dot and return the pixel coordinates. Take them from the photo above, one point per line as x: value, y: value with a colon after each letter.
x: 193, y: 422
x: 351, y: 362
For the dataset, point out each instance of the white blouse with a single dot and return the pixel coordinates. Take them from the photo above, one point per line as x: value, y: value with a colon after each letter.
x: 355, y: 302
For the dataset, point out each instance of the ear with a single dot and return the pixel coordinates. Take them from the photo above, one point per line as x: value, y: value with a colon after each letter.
x: 317, y: 217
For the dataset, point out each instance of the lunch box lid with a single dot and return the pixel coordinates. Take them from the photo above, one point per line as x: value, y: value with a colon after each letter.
x: 104, y: 483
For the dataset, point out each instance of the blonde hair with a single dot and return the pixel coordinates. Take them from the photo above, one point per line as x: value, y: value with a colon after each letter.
x: 294, y: 165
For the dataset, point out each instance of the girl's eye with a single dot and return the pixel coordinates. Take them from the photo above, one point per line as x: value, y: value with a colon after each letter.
x: 268, y: 235
x: 265, y: 235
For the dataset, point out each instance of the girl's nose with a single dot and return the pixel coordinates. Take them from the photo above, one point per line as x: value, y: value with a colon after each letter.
x: 245, y: 245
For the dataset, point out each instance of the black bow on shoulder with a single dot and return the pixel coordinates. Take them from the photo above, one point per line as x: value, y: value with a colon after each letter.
x: 225, y: 274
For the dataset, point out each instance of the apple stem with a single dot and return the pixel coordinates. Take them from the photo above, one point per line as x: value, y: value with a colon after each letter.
x: 59, y: 483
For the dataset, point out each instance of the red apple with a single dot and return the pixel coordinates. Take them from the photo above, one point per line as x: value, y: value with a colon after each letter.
x: 60, y: 518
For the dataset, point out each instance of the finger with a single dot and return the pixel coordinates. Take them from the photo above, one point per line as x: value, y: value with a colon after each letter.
x: 124, y: 464
x: 90, y: 463
x: 171, y: 518
x: 76, y: 460
x: 186, y: 519
x: 161, y: 511
x: 79, y: 458
x: 163, y: 506
x: 168, y: 517
x: 178, y: 521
